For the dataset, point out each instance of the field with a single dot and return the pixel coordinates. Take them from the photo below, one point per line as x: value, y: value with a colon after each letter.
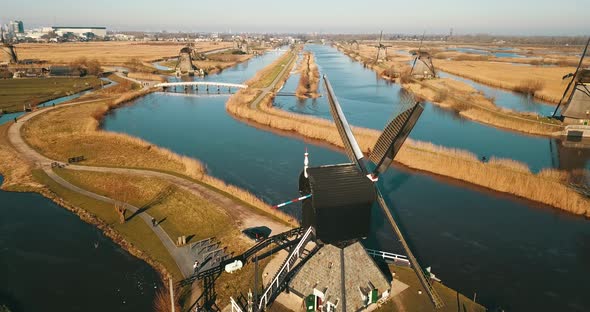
x: 14, y: 93
x: 108, y: 53
x: 511, y: 77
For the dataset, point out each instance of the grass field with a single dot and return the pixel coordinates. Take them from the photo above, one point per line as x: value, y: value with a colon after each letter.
x: 410, y: 300
x: 14, y: 93
x: 108, y: 53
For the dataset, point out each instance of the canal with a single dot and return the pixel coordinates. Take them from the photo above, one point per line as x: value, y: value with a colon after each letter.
x: 52, y: 261
x: 506, y: 250
x: 369, y: 101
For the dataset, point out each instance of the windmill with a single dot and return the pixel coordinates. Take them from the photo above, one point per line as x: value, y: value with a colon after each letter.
x: 422, y: 67
x: 337, y: 201
x: 185, y: 65
x: 380, y: 46
x: 354, y: 44
x: 577, y: 106
x: 357, y: 172
x: 8, y: 48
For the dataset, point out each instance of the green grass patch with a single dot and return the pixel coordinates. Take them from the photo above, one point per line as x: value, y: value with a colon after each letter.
x: 135, y: 231
x: 14, y: 93
x: 274, y: 73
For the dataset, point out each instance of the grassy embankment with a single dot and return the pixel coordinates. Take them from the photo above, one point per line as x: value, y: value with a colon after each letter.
x: 183, y: 212
x: 502, y: 175
x: 14, y: 93
x: 309, y: 80
x: 461, y: 97
x: 75, y: 130
x: 410, y: 300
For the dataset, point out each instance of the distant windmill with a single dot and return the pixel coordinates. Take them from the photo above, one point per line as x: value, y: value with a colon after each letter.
x: 422, y: 66
x: 380, y: 47
x: 576, y: 97
x: 8, y: 48
x: 354, y: 44
x: 185, y: 65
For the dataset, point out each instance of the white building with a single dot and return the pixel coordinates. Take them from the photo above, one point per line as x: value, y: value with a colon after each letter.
x: 80, y: 31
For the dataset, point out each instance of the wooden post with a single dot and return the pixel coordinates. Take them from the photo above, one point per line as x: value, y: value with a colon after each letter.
x: 171, y: 287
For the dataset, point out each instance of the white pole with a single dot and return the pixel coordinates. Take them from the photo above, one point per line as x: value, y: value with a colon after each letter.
x: 171, y: 293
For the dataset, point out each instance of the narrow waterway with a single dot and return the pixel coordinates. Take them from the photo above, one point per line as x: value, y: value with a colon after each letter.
x: 9, y: 117
x: 502, y: 98
x: 52, y: 261
x: 369, y: 101
x: 506, y: 250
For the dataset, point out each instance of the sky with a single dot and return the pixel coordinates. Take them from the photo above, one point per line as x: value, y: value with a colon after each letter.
x: 498, y: 17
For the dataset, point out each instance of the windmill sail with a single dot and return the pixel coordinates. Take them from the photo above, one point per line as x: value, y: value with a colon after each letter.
x: 575, y: 77
x: 351, y: 146
x: 392, y: 138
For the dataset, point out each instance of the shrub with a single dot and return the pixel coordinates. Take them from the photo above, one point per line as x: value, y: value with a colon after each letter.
x: 529, y: 86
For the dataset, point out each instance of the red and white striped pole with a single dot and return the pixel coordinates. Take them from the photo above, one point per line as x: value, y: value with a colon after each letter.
x: 291, y: 201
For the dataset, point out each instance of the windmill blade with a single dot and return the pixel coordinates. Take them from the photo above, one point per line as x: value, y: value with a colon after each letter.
x: 393, y: 137
x: 573, y: 78
x: 13, y: 52
x: 351, y: 146
x: 432, y: 294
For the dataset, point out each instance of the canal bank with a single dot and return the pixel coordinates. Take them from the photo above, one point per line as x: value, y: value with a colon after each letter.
x: 444, y: 226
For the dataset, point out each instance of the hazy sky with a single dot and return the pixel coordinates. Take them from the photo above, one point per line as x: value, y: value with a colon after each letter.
x: 528, y: 17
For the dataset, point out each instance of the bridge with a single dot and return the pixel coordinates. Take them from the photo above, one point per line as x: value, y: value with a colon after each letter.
x: 196, y: 84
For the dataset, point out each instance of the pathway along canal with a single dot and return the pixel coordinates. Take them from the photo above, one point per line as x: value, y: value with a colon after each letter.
x: 514, y: 254
x: 369, y: 101
x: 50, y: 260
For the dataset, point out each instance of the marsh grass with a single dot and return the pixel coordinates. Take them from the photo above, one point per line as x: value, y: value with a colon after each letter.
x: 309, y: 78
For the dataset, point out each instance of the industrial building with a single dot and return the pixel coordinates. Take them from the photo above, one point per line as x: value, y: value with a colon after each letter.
x: 80, y: 31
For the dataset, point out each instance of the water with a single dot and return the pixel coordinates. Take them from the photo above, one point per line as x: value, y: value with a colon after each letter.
x: 371, y: 102
x: 506, y: 250
x: 498, y: 54
x: 157, y: 65
x: 49, y: 262
x: 511, y: 100
x: 10, y: 117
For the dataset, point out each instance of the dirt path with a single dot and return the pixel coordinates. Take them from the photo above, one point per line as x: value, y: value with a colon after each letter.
x: 246, y: 216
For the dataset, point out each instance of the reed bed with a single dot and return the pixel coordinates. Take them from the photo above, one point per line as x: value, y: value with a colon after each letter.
x: 15, y: 170
x: 309, y: 80
x: 546, y: 80
x: 146, y: 76
x: 475, y: 106
x: 506, y: 176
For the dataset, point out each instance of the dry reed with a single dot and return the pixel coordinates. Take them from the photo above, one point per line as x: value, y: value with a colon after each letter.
x: 309, y: 80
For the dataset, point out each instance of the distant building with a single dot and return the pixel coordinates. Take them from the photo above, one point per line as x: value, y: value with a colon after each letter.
x: 80, y: 31
x: 16, y: 27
